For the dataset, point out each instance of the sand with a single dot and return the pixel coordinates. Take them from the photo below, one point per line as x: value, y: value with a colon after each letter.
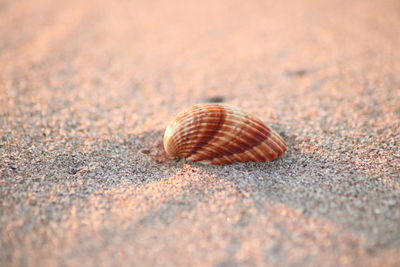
x: 87, y: 88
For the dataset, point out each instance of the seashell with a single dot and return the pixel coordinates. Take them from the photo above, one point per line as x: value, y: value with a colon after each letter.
x: 221, y: 134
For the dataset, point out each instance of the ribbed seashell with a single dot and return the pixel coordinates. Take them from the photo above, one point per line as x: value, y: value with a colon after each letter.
x: 221, y: 134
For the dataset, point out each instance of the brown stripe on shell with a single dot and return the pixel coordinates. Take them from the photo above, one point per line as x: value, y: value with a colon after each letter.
x: 196, y: 112
x: 240, y: 144
x: 248, y: 138
x: 209, y: 130
x: 236, y: 144
x: 255, y: 135
x: 220, y: 134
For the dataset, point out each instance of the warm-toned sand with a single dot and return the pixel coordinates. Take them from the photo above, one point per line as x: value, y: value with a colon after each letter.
x: 87, y: 87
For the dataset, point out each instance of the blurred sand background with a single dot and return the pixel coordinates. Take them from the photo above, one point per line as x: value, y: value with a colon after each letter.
x: 87, y: 88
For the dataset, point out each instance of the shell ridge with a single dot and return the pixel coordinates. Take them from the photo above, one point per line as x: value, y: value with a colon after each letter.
x: 239, y: 143
x: 204, y: 139
x: 243, y: 137
x: 278, y: 143
x: 232, y: 126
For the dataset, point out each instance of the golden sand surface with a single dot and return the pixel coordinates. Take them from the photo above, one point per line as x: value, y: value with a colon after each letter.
x: 88, y: 87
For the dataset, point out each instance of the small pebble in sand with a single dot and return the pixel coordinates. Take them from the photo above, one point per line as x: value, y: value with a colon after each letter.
x: 213, y: 99
x: 297, y: 73
x: 145, y: 151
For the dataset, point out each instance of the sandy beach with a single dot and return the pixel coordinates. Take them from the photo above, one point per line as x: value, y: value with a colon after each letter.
x: 88, y: 87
